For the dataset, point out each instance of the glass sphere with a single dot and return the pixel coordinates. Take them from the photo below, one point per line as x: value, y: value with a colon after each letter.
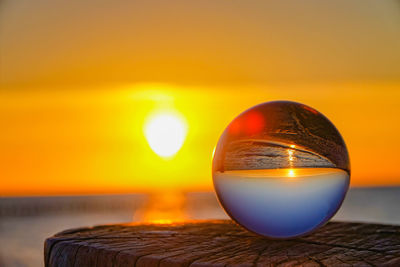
x: 281, y: 169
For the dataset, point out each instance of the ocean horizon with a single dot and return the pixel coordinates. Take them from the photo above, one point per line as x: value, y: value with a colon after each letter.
x: 25, y: 222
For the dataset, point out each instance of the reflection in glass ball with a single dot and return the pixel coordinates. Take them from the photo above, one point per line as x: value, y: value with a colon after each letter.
x: 281, y: 169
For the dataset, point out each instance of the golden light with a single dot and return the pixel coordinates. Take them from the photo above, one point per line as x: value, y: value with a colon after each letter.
x: 291, y: 158
x: 291, y: 173
x: 163, y: 207
x: 165, y: 133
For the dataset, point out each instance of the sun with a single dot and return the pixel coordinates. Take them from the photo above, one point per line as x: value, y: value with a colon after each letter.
x: 165, y: 133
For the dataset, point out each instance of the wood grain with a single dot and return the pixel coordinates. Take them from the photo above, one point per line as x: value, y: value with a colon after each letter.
x: 222, y: 243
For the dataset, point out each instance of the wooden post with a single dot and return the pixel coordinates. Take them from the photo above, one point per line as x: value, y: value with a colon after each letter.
x: 221, y: 243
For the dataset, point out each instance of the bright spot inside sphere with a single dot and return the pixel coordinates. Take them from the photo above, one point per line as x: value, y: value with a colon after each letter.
x: 281, y: 169
x: 165, y: 133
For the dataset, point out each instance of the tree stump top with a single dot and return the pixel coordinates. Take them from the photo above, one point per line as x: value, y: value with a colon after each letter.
x: 221, y: 243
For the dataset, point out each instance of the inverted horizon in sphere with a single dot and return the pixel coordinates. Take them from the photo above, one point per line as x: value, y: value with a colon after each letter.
x: 281, y: 169
x: 282, y: 203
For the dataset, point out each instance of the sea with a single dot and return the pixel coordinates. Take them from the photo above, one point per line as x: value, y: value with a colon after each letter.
x: 25, y: 222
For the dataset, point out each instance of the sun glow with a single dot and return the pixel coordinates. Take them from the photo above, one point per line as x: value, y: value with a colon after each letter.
x: 165, y: 133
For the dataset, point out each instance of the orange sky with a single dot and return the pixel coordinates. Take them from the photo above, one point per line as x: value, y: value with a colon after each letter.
x: 92, y: 141
x: 256, y: 41
x: 79, y: 79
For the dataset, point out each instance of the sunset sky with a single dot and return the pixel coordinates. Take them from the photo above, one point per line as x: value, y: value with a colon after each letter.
x: 81, y: 80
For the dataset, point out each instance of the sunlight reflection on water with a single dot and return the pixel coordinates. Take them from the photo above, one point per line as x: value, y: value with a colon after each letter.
x: 24, y: 223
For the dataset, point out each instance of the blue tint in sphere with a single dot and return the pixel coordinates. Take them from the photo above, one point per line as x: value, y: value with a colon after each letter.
x: 281, y: 169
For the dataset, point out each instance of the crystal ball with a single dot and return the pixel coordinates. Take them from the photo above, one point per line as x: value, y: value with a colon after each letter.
x: 281, y: 169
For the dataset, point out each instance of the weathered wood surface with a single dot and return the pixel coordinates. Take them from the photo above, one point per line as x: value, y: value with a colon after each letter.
x: 222, y: 243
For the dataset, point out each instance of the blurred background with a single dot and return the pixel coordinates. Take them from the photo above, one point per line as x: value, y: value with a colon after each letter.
x: 86, y: 88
